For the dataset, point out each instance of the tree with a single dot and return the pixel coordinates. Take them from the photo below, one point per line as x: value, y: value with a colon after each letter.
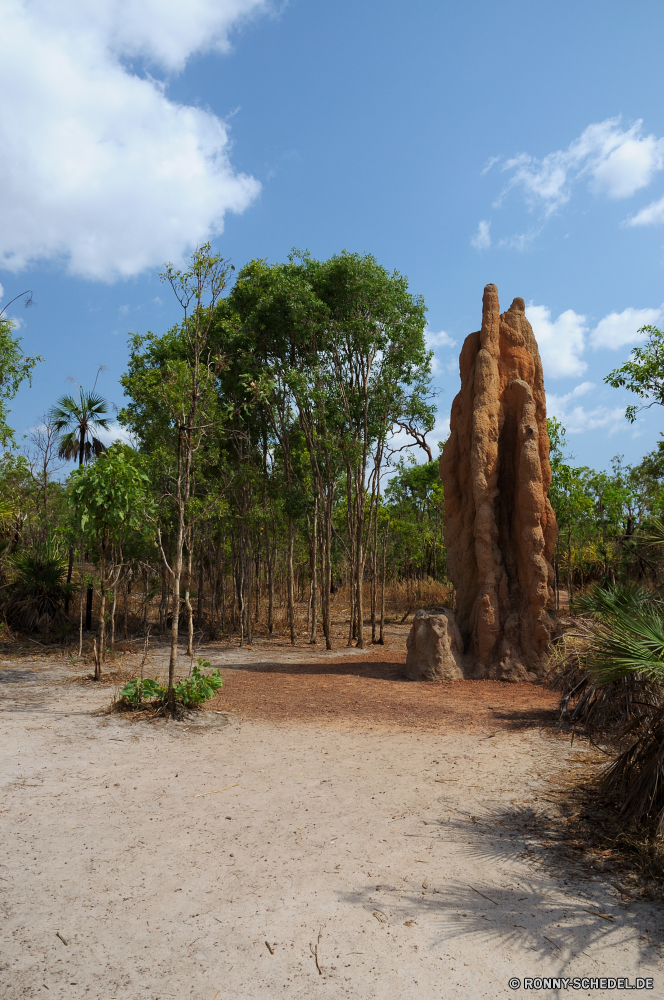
x: 15, y: 368
x: 172, y: 386
x: 109, y: 498
x: 643, y: 374
x: 78, y: 422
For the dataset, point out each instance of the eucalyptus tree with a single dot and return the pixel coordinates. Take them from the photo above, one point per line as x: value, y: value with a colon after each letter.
x: 172, y: 386
x: 379, y: 370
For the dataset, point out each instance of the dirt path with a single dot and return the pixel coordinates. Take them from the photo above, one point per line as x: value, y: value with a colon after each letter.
x: 398, y: 849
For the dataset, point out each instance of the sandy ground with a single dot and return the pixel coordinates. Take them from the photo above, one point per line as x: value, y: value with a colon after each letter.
x: 350, y: 853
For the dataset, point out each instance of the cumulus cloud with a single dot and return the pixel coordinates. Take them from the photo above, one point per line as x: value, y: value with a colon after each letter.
x: 99, y: 168
x: 482, y: 238
x: 617, y: 329
x: 561, y: 341
x: 440, y: 339
x: 614, y: 161
x: 576, y: 419
x: 437, y: 340
x: 651, y: 215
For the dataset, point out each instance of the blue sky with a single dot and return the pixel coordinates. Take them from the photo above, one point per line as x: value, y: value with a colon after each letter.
x: 519, y: 143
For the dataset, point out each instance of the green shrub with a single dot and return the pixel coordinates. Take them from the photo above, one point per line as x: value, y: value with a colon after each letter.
x: 136, y: 691
x: 191, y: 691
x: 199, y: 687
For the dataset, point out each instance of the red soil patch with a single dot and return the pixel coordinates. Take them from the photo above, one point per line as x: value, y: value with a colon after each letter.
x: 372, y: 691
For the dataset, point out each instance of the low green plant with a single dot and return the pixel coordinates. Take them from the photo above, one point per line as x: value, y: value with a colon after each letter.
x: 190, y: 692
x: 138, y: 690
x: 199, y: 687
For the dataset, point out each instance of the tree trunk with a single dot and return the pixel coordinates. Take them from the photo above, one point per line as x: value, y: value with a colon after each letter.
x: 70, y: 567
x: 381, y: 637
x: 124, y: 599
x: 270, y: 553
x: 187, y: 598
x: 291, y: 602
x: 326, y: 569
x: 113, y: 607
x: 102, y: 610
x: 199, y: 598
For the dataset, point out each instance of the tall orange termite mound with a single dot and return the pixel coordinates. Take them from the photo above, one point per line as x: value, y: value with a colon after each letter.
x: 500, y: 529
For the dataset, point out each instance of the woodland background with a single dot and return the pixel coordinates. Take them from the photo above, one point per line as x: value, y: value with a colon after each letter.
x: 275, y: 485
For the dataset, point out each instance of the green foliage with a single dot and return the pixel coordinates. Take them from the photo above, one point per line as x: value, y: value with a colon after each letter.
x: 199, y: 687
x: 190, y: 692
x: 643, y: 374
x: 15, y: 368
x: 138, y: 690
x: 110, y: 496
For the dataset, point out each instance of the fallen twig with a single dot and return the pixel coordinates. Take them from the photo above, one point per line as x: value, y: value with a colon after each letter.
x: 58, y: 934
x: 482, y: 894
x: 214, y: 791
x: 314, y: 952
x: 269, y: 947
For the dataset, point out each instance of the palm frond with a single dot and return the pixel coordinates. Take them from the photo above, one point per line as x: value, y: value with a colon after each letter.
x: 655, y: 536
x: 624, y: 644
x: 601, y: 601
x: 69, y: 446
x: 8, y: 510
x: 636, y: 776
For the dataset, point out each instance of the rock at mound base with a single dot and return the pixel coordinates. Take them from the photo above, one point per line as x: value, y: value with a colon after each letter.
x: 435, y: 648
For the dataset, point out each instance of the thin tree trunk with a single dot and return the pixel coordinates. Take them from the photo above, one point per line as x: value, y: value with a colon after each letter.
x: 114, y: 606
x: 102, y: 611
x: 291, y: 602
x: 374, y: 582
x: 326, y: 561
x: 70, y: 566
x: 187, y: 598
x: 381, y: 637
x: 313, y: 638
x: 199, y: 600
x: 270, y: 546
x: 81, y: 590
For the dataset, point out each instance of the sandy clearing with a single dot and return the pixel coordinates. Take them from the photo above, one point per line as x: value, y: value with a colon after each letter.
x: 399, y: 854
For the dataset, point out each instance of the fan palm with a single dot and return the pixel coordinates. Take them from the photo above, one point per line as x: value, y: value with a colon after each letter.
x: 78, y: 422
x: 38, y: 591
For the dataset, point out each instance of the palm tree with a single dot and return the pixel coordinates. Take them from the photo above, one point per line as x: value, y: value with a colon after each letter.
x: 78, y: 422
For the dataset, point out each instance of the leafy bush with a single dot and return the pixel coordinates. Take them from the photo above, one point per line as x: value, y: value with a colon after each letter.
x: 199, y: 687
x: 190, y: 692
x: 136, y: 691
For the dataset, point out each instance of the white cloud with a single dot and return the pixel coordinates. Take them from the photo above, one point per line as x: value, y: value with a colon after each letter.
x: 434, y: 340
x: 519, y: 241
x: 482, y: 239
x: 115, y: 432
x: 651, y: 215
x: 98, y: 166
x: 490, y: 163
x: 617, y: 163
x: 618, y: 329
x: 576, y: 419
x: 561, y: 342
x: 440, y: 339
